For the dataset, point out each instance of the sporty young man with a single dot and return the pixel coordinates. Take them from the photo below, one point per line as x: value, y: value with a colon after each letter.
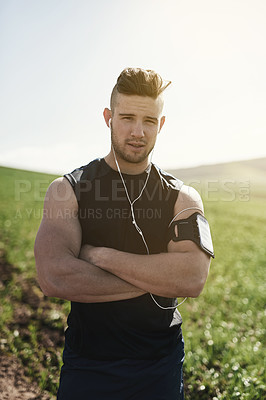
x: 122, y: 239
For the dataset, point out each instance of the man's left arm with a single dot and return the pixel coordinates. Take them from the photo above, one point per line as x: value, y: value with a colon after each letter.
x: 182, y: 272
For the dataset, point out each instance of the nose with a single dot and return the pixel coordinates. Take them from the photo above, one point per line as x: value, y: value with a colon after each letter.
x: 137, y: 130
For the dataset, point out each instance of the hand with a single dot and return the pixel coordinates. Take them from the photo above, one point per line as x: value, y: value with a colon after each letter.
x: 85, y: 252
x: 91, y: 254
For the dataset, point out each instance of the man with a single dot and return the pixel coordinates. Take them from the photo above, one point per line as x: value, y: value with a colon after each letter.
x: 110, y: 242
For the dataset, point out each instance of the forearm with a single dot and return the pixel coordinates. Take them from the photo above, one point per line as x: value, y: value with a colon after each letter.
x: 61, y: 270
x: 166, y: 274
x: 76, y: 280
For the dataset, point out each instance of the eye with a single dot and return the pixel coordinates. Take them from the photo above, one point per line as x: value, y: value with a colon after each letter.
x: 151, y: 122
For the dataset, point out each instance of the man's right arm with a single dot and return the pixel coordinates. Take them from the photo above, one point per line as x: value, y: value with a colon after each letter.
x: 57, y: 247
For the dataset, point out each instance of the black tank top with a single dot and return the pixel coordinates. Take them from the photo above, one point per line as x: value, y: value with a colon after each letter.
x: 134, y: 328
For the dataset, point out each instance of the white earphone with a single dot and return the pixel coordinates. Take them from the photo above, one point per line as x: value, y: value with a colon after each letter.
x: 131, y: 203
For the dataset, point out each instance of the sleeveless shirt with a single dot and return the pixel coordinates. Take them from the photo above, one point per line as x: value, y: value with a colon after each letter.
x: 134, y: 328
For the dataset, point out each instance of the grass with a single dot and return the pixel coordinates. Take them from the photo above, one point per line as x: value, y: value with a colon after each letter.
x: 224, y: 328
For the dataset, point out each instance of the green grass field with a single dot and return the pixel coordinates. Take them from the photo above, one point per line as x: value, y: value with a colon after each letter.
x: 224, y: 328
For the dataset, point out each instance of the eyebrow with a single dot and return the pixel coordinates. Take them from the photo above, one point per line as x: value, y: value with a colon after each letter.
x: 133, y: 115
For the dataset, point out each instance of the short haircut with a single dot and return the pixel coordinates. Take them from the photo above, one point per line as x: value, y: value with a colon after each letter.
x: 138, y: 81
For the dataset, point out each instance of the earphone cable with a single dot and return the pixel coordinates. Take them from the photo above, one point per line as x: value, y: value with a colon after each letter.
x: 131, y: 203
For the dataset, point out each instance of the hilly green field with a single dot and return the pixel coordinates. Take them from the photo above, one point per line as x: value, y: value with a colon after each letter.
x: 224, y: 328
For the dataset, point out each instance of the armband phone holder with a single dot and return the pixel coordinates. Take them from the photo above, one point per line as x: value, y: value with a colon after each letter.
x: 195, y: 228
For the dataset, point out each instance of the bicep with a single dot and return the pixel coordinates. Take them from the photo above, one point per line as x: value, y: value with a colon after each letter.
x: 60, y: 232
x: 187, y: 203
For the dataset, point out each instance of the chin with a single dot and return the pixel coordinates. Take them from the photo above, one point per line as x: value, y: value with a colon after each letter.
x: 135, y: 159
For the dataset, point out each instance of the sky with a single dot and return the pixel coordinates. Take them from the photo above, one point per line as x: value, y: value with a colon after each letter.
x: 59, y: 60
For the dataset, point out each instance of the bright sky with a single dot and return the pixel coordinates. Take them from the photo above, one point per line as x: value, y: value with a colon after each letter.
x: 59, y: 60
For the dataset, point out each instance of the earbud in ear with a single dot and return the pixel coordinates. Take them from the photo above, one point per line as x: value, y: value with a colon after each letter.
x: 110, y: 120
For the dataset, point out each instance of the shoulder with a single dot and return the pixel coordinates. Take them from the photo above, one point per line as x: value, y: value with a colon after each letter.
x: 58, y: 188
x: 188, y: 202
x: 188, y: 194
x: 95, y: 168
x: 167, y: 179
x: 60, y: 195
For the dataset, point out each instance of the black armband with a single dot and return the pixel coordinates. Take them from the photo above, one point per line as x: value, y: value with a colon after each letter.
x: 195, y: 228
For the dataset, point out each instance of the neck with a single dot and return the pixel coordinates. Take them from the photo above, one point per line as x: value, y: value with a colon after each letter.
x: 125, y: 166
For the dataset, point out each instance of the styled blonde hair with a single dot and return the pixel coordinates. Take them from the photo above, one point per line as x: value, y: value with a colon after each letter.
x: 138, y: 81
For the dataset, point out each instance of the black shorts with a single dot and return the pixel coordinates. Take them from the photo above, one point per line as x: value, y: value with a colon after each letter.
x: 83, y: 379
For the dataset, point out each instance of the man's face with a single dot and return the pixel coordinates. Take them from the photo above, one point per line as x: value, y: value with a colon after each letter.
x: 136, y: 122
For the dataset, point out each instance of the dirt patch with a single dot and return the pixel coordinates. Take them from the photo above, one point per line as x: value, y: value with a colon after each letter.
x: 14, y: 385
x: 34, y: 332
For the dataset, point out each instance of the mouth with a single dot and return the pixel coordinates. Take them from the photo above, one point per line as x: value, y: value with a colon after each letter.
x: 136, y: 145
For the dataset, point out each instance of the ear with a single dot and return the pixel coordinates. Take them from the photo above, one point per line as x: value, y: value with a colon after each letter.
x: 162, y: 121
x: 107, y: 114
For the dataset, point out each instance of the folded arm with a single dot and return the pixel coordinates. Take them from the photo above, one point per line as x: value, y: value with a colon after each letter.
x: 180, y: 272
x: 61, y: 273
